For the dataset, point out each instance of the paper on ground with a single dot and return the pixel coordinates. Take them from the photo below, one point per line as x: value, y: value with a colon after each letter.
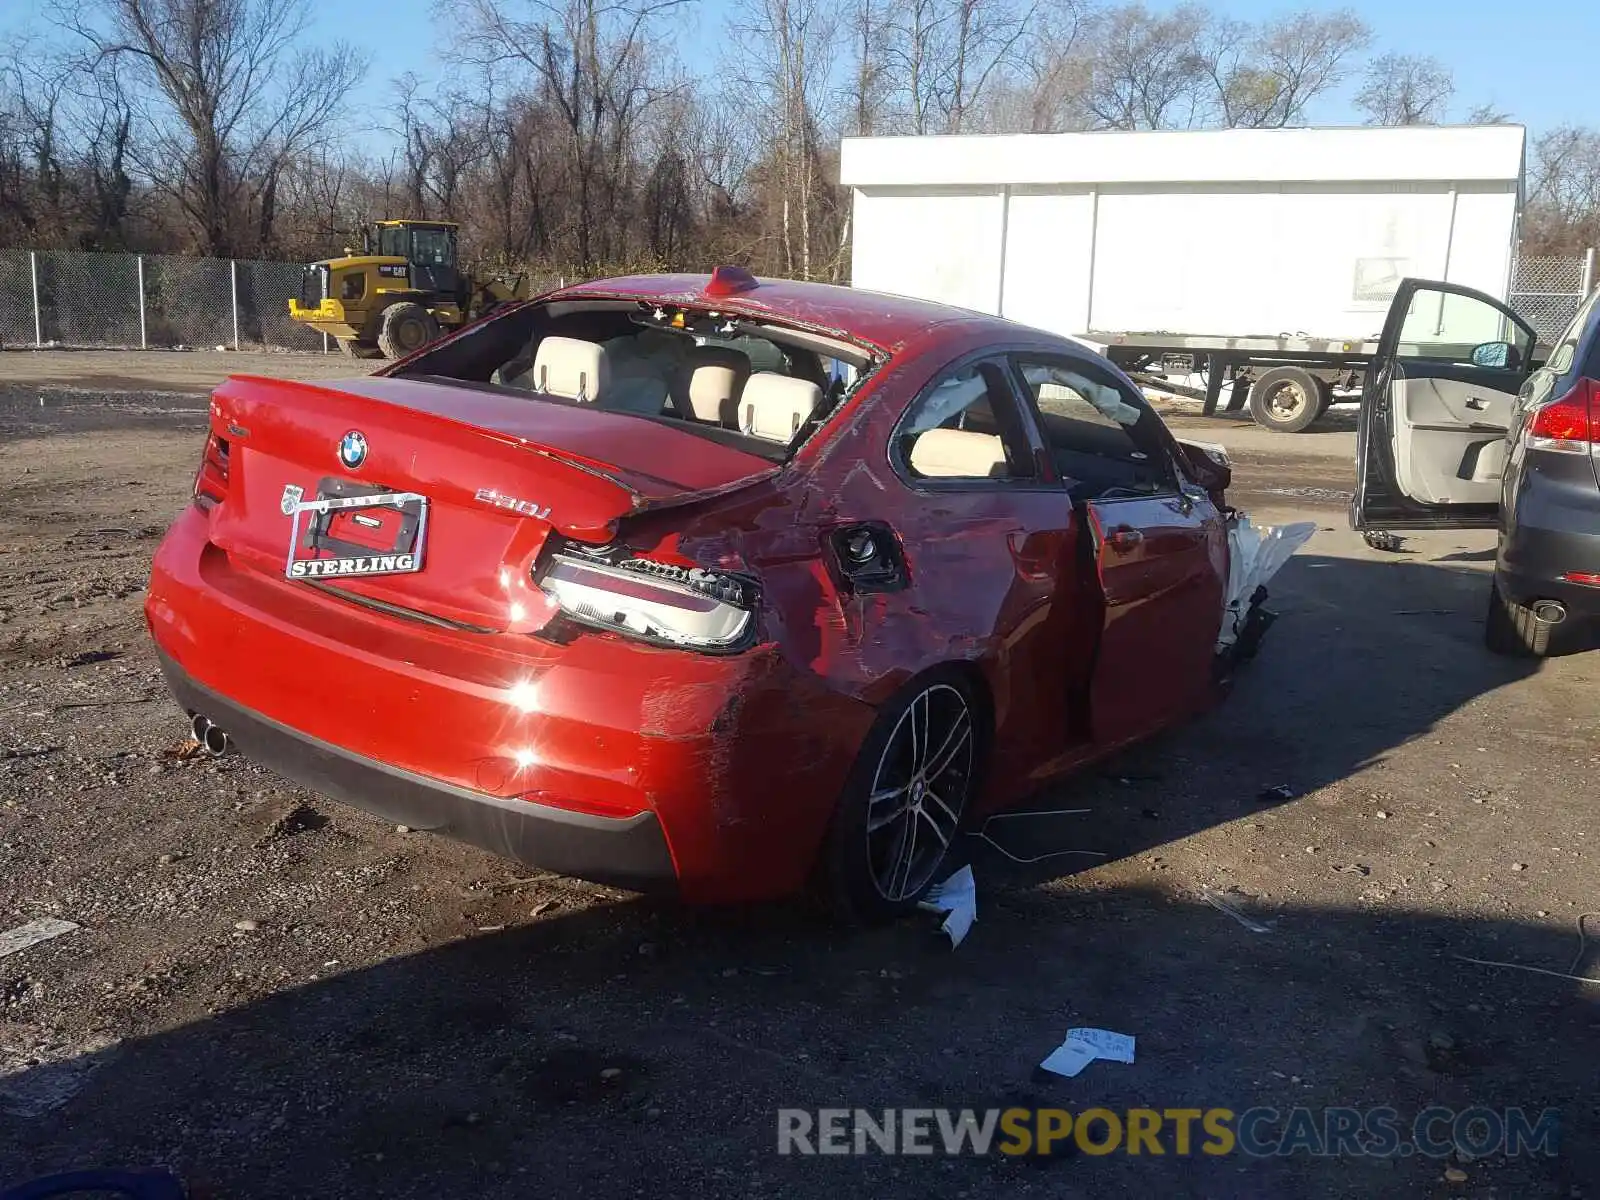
x: 1083, y: 1046
x: 1113, y: 1047
x: 32, y: 933
x: 957, y: 897
x: 1069, y: 1058
x: 1255, y: 555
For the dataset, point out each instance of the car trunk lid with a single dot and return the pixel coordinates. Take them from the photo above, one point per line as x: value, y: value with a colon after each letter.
x: 498, y: 474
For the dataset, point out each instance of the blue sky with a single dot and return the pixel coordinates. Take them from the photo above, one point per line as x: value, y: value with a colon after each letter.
x: 1529, y: 61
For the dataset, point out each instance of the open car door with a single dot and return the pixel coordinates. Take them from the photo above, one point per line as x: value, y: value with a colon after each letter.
x: 1431, y: 442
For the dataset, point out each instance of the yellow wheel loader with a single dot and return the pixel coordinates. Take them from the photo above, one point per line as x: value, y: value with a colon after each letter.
x: 400, y: 293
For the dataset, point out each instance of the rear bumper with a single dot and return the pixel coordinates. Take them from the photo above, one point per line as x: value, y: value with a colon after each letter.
x: 629, y: 852
x: 601, y: 758
x: 1549, y: 532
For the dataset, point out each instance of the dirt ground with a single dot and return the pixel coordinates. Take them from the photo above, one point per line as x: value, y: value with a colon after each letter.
x: 283, y: 998
x: 192, y: 372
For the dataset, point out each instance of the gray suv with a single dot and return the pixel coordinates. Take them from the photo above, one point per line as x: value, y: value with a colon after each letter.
x: 1461, y: 429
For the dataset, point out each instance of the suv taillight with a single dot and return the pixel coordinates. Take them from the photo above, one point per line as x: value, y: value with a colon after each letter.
x: 1570, y: 424
x: 211, y: 483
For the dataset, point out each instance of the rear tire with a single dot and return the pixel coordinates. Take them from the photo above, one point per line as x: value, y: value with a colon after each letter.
x: 1287, y: 399
x: 405, y: 328
x: 907, y: 796
x: 1513, y: 630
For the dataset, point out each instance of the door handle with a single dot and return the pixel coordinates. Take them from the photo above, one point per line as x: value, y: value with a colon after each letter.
x: 1124, y: 538
x: 1474, y: 402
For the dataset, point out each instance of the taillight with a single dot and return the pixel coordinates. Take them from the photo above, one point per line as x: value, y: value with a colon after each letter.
x: 658, y: 602
x: 1569, y: 425
x: 211, y: 483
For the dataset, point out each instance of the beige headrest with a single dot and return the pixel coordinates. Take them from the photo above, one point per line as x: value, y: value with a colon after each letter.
x: 572, y: 368
x: 717, y: 378
x: 959, y: 454
x: 774, y: 407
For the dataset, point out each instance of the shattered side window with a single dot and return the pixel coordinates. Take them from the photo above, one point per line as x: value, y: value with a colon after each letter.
x: 966, y: 427
x: 1060, y: 391
x: 1093, y: 430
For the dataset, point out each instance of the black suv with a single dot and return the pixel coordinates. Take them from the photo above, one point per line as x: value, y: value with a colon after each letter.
x: 1461, y: 429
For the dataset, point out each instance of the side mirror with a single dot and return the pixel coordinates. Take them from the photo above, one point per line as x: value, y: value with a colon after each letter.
x: 1497, y: 356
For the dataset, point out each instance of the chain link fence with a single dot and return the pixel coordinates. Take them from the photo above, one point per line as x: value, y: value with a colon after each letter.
x: 155, y: 301
x: 62, y: 298
x: 129, y: 301
x: 1548, y: 291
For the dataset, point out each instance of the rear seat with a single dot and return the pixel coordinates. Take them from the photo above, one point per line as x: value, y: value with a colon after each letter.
x: 959, y: 454
x: 568, y: 367
x: 773, y: 407
x: 717, y: 378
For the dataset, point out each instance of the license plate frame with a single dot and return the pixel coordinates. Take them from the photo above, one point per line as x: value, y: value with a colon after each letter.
x: 328, y: 558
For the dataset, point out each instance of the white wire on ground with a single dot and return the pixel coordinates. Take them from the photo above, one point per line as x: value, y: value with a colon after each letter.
x: 1583, y: 943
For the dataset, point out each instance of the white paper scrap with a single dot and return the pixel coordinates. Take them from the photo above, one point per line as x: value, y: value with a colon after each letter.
x: 1114, y: 1047
x: 1083, y: 1046
x: 957, y: 897
x: 1069, y: 1058
x: 32, y: 934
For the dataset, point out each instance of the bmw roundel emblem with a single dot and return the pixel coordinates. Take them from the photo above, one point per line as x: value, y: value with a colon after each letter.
x: 353, y: 449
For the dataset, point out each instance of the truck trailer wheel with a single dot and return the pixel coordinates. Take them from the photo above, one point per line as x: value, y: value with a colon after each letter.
x: 1324, y: 395
x: 1287, y: 399
x: 405, y: 328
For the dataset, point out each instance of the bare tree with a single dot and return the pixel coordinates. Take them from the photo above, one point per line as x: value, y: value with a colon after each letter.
x: 1146, y: 72
x: 915, y: 57
x: 228, y: 95
x: 1405, y: 89
x: 102, y: 125
x: 946, y: 59
x: 590, y: 61
x: 870, y: 81
x: 986, y: 35
x: 1268, y: 76
x: 36, y: 89
x: 1055, y: 70
x: 786, y: 49
x: 1488, y: 114
x: 1563, y: 214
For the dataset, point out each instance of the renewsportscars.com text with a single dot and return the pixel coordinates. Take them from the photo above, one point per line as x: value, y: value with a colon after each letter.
x: 1258, y: 1132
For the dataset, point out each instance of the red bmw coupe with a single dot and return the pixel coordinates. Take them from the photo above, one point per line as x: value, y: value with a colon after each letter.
x: 710, y: 584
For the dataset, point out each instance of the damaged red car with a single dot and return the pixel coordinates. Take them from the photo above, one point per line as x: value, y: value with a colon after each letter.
x: 709, y: 584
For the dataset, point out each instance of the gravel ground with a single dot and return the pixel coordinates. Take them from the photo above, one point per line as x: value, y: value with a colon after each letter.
x: 283, y: 998
x: 193, y: 372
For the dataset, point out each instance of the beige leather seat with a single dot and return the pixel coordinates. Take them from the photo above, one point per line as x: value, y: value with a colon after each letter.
x: 569, y: 367
x: 774, y: 407
x: 959, y: 454
x: 716, y: 380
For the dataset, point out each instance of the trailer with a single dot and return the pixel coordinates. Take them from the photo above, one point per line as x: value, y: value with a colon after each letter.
x: 1256, y: 265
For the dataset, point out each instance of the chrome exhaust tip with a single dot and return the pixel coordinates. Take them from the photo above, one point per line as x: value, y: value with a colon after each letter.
x: 215, y: 741
x: 211, y: 737
x: 1551, y: 612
